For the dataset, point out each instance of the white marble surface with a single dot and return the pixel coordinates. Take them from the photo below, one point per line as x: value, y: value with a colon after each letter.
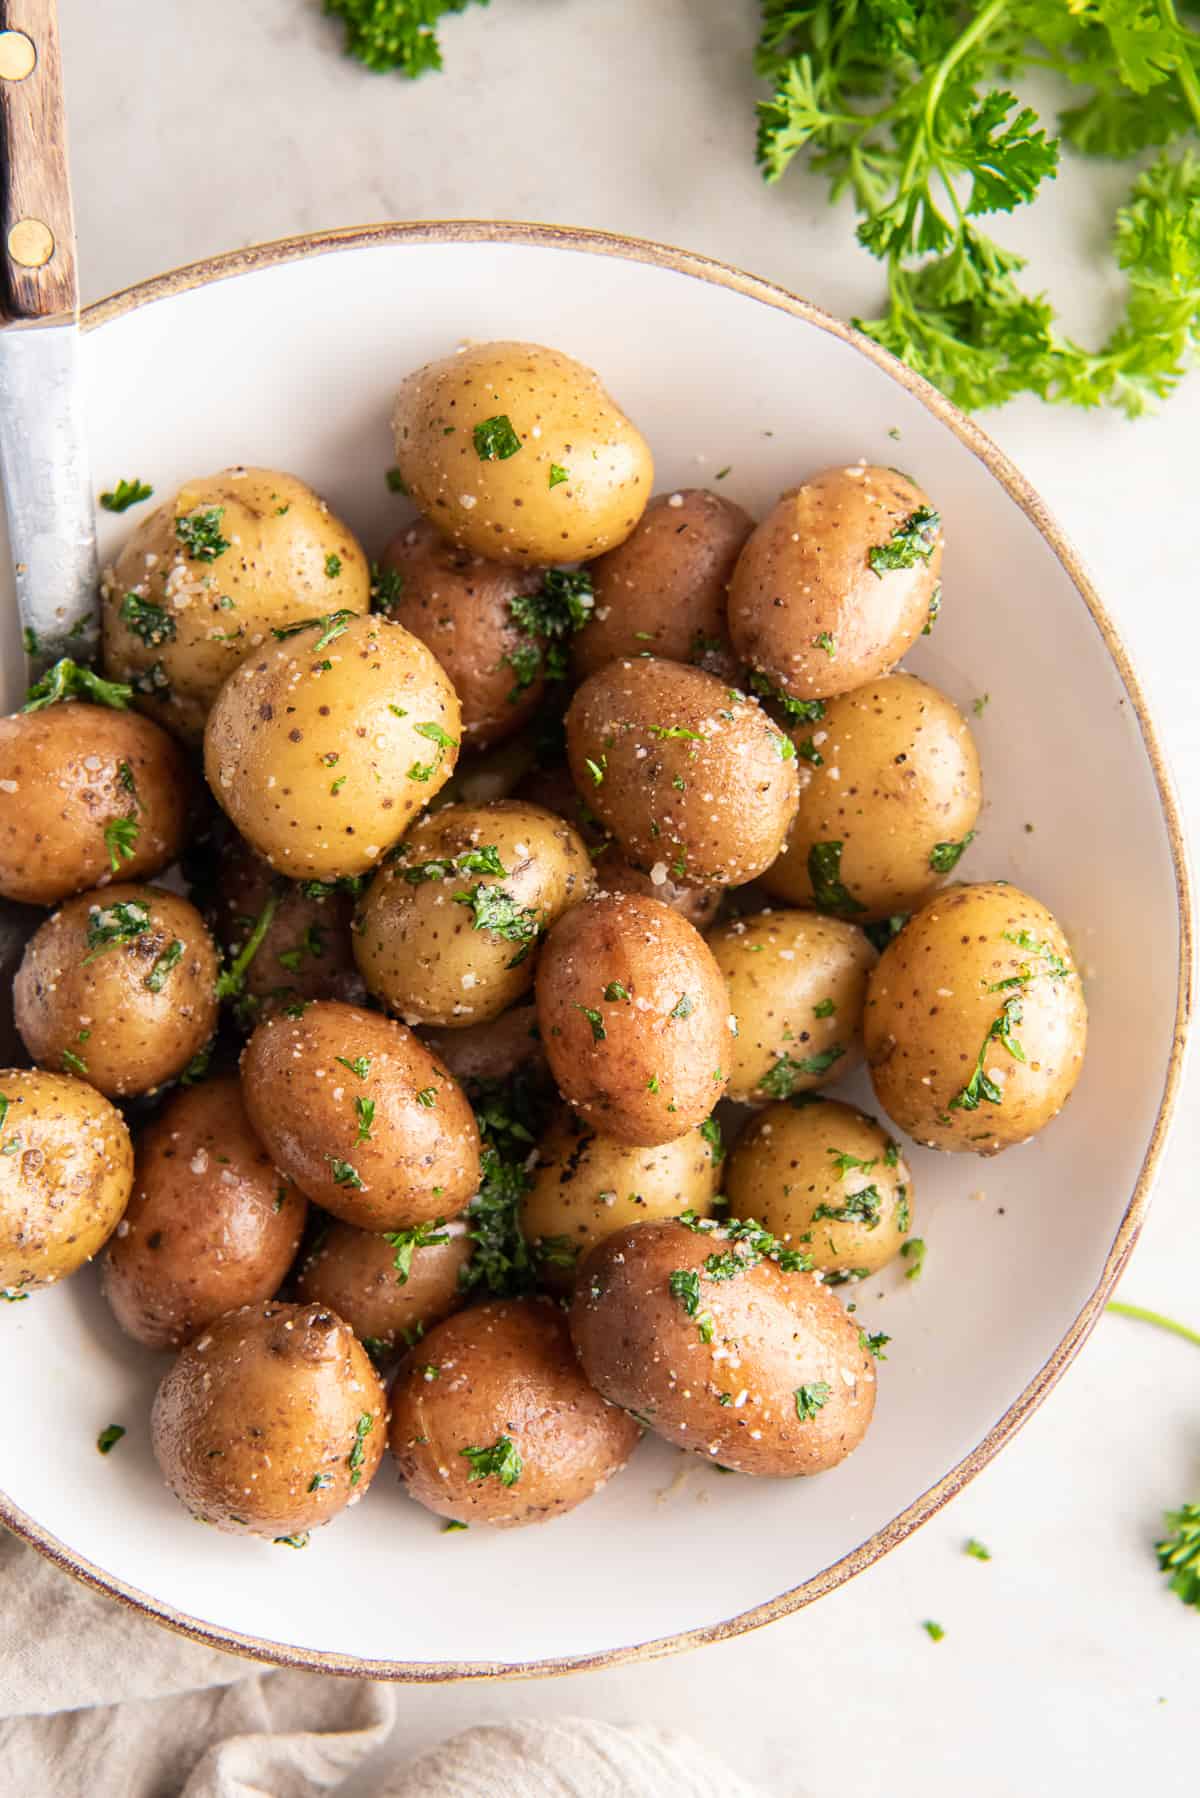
x: 198, y: 128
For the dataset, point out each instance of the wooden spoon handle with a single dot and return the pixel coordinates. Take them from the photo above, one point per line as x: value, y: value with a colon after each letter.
x: 37, y: 225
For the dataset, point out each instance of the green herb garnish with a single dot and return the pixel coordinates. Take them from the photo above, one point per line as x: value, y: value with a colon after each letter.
x: 810, y: 1399
x: 345, y: 1174
x: 358, y: 1451
x: 124, y: 495
x: 152, y: 623
x: 200, y: 533
x: 912, y: 541
x: 779, y: 1082
x: 825, y: 876
x: 944, y: 857
x: 406, y: 1242
x: 500, y: 1462
x: 170, y: 958
x: 114, y: 924
x: 67, y: 680
x: 109, y: 1437
x: 120, y: 839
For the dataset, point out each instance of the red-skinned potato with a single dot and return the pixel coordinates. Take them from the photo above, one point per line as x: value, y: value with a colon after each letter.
x: 721, y: 1352
x: 210, y: 1226
x: 492, y: 1421
x: 634, y: 1018
x: 305, y: 952
x: 387, y: 1287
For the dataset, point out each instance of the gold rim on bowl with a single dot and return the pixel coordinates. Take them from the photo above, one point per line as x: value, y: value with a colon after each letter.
x: 701, y: 268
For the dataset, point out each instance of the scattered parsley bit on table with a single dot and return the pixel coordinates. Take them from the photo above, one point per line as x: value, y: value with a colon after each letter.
x: 976, y: 1549
x: 913, y: 1252
x: 1179, y: 1551
x: 934, y: 1631
x: 107, y: 1438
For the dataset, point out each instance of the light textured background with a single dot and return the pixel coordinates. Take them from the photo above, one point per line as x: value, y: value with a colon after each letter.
x: 198, y: 128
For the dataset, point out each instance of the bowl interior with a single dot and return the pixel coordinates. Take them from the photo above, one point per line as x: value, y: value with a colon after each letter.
x: 293, y: 365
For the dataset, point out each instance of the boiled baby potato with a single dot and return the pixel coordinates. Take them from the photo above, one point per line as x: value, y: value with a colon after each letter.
x: 448, y: 930
x: 119, y: 987
x: 516, y: 452
x: 210, y: 1227
x: 663, y: 591
x: 305, y: 952
x: 889, y: 799
x: 797, y: 985
x: 837, y: 582
x: 356, y: 1110
x: 205, y: 577
x: 584, y: 1186
x: 324, y: 745
x: 701, y: 1333
x: 827, y: 1180
x: 634, y: 1019
x: 461, y: 606
x: 491, y: 1051
x: 389, y: 1288
x: 975, y: 1022
x: 691, y: 776
x: 492, y: 1421
x: 66, y: 1168
x: 271, y: 1422
x: 86, y: 793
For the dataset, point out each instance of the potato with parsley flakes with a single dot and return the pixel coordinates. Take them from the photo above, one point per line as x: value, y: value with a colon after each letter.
x: 66, y: 1168
x: 635, y: 1019
x: 837, y: 582
x: 692, y: 778
x: 206, y: 575
x: 585, y: 1186
x: 361, y: 1115
x: 449, y: 929
x: 516, y: 452
x: 493, y: 1423
x: 827, y: 1179
x: 388, y: 1286
x: 663, y: 591
x: 87, y: 793
x: 119, y: 987
x: 271, y: 1422
x: 210, y: 1224
x: 975, y: 1022
x: 325, y: 744
x: 305, y: 950
x: 889, y: 798
x: 797, y: 984
x: 494, y: 1050
x: 720, y: 1342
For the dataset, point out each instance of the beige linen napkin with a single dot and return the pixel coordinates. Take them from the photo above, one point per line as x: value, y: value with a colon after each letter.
x: 97, y: 1702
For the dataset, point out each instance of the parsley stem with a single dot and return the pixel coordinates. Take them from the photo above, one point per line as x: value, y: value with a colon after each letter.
x: 1140, y: 1315
x: 1184, y: 67
x: 231, y: 981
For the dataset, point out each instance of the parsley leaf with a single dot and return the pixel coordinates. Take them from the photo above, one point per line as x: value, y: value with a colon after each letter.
x: 124, y: 495
x: 406, y: 1242
x: 810, y: 1399
x: 495, y: 439
x: 779, y: 1082
x: 546, y: 620
x: 120, y: 838
x: 152, y: 623
x: 913, y: 1252
x: 358, y: 1451
x: 825, y: 877
x: 109, y: 1437
x: 595, y: 1020
x: 500, y: 1462
x: 386, y: 35
x: 911, y: 542
x: 944, y: 857
x: 117, y: 923
x: 199, y: 532
x: 67, y: 680
x: 345, y: 1174
x: 494, y: 910
x: 981, y: 1086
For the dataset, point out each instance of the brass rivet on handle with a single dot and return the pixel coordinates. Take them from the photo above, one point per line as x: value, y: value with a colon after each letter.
x: 18, y: 58
x: 31, y: 243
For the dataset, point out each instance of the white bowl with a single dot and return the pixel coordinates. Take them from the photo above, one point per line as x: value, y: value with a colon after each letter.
x: 287, y: 356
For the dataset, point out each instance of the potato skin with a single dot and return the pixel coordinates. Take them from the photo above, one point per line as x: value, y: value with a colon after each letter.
x: 100, y: 1012
x: 784, y: 1168
x: 891, y: 773
x: 210, y: 1226
x: 505, y: 507
x: 695, y: 779
x: 312, y: 933
x: 771, y: 1334
x: 66, y: 773
x: 457, y: 603
x: 491, y: 1051
x: 779, y: 967
x: 269, y: 1400
x: 420, y: 949
x: 420, y: 1161
x: 506, y: 1369
x: 663, y: 591
x: 936, y: 995
x: 586, y: 1186
x: 354, y: 1273
x: 650, y: 1076
x: 322, y: 757
x: 66, y: 1168
x: 282, y: 541
x: 805, y: 575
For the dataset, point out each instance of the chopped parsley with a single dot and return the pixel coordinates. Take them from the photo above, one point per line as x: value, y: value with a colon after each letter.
x: 364, y: 1113
x: 825, y: 876
x: 546, y: 620
x: 944, y: 857
x: 330, y: 624
x: 170, y: 958
x: 935, y: 607
x: 912, y: 541
x: 796, y: 711
x: 345, y: 1174
x: 667, y: 733
x: 118, y: 923
x: 823, y: 640
x: 406, y: 1242
x: 595, y: 1020
x: 120, y: 839
x: 494, y: 910
x: 824, y: 1008
x: 684, y: 1285
x: 494, y: 438
x: 913, y: 1252
x: 1056, y: 967
x: 232, y: 980
x: 683, y: 1007
x: 360, y: 1066
x: 976, y: 1549
x: 614, y: 992
x: 862, y: 1207
x: 433, y: 733
x: 358, y: 1451
x: 810, y: 1399
x: 74, y: 1064
x: 844, y: 1164
x: 557, y: 1251
x: 807, y: 750
x: 200, y: 533
x: 126, y: 494
x: 427, y: 1097
x: 470, y: 861
x: 333, y: 567
x: 499, y: 1462
x: 300, y: 1540
x: 596, y: 769
x: 312, y: 944
x: 108, y: 1438
x: 387, y: 586
x: 981, y: 1086
x: 395, y: 481
x: 67, y: 680
x: 710, y: 1130
x: 874, y: 1344
x: 558, y: 475
x: 934, y: 1631
x: 1179, y: 1553
x: 779, y: 1082
x: 152, y: 623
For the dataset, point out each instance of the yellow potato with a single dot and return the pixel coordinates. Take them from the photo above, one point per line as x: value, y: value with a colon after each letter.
x: 826, y: 1180
x: 324, y: 746
x: 889, y: 799
x: 797, y: 985
x: 207, y: 574
x: 975, y: 1022
x: 517, y: 453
